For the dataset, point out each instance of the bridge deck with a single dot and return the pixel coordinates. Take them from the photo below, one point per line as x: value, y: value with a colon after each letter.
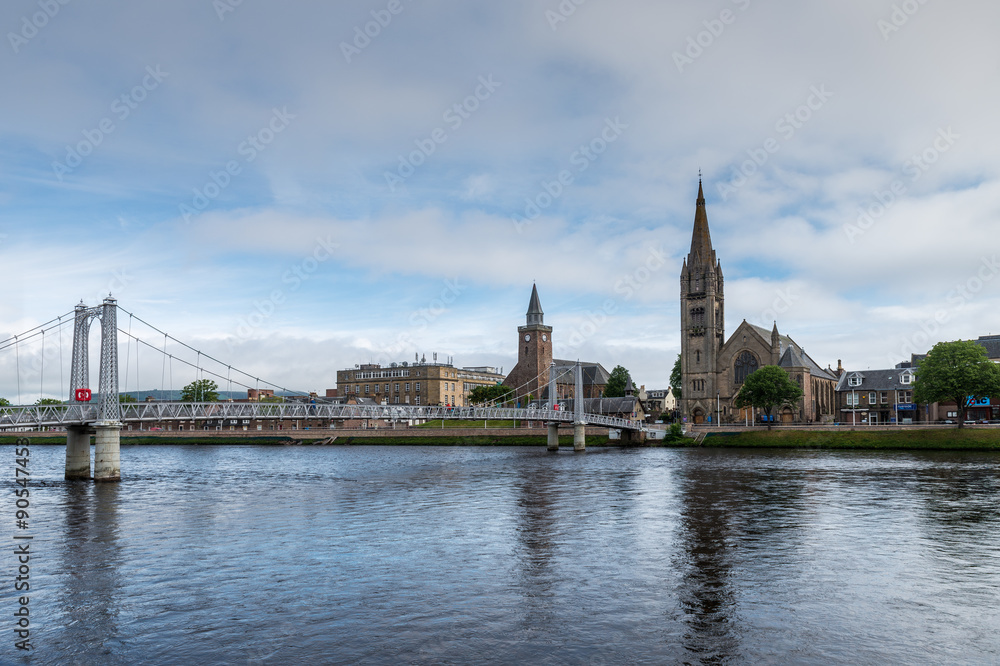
x: 86, y: 414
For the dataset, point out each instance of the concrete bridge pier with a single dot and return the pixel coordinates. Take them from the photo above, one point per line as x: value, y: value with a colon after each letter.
x: 553, y: 437
x: 107, y: 453
x: 579, y: 436
x: 77, y: 452
x: 633, y: 438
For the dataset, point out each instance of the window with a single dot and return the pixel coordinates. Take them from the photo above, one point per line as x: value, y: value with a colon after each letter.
x: 697, y: 316
x: 357, y: 388
x: 871, y: 398
x: 386, y: 388
x: 952, y: 415
x: 397, y: 388
x: 884, y: 397
x: 418, y: 387
x: 366, y: 389
x: 408, y: 387
x: 416, y: 400
x: 906, y: 378
x: 746, y: 363
x: 453, y: 387
x: 852, y: 399
x: 854, y: 380
x: 697, y: 356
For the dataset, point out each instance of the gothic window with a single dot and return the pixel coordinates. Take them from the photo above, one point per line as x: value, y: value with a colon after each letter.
x: 697, y: 283
x: 697, y: 356
x: 746, y: 363
x: 697, y: 316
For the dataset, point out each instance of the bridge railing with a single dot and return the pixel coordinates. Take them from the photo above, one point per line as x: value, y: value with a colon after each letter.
x: 77, y: 414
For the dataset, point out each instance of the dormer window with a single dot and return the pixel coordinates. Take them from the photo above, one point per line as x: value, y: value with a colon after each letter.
x: 854, y: 380
x: 906, y: 378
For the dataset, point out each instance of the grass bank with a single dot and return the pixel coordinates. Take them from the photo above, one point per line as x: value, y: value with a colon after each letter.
x: 470, y: 440
x: 462, y: 423
x: 252, y: 441
x: 972, y: 439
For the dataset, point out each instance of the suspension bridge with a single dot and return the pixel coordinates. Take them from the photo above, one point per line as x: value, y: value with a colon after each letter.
x: 104, y: 418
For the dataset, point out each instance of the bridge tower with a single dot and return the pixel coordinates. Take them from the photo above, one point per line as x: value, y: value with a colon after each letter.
x: 107, y: 427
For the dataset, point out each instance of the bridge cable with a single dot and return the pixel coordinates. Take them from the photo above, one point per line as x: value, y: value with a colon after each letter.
x: 41, y: 369
x: 163, y: 372
x: 210, y: 357
x: 198, y: 368
x: 128, y: 351
x: 20, y: 337
x: 136, y: 368
x: 17, y: 369
x: 61, y: 393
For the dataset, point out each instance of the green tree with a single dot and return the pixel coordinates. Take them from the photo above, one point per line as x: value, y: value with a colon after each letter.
x: 615, y: 388
x: 48, y: 401
x: 4, y: 402
x: 956, y: 372
x: 767, y: 388
x: 676, y: 378
x: 201, y: 390
x: 125, y: 397
x: 496, y: 393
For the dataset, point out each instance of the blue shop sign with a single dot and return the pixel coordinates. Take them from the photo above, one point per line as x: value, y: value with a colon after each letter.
x: 982, y: 402
x: 905, y: 406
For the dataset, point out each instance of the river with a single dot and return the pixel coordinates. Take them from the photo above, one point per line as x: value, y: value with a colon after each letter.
x: 509, y: 555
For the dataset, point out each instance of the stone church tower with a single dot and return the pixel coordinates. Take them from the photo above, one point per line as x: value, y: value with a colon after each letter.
x: 702, y: 321
x: 534, y: 351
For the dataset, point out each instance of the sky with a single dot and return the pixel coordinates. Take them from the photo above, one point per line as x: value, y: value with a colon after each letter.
x: 295, y: 188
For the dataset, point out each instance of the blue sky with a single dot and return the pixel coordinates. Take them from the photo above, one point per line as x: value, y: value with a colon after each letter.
x: 271, y: 184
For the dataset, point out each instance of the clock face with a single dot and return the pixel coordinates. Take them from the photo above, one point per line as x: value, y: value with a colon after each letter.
x: 545, y: 338
x: 527, y: 337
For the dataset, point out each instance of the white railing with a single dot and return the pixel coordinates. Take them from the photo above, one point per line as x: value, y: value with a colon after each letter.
x: 78, y: 414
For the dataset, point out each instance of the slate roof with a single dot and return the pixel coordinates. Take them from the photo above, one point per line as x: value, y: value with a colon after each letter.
x: 593, y: 373
x: 625, y: 405
x: 792, y: 355
x: 534, y: 305
x: 875, y: 380
x: 992, y: 344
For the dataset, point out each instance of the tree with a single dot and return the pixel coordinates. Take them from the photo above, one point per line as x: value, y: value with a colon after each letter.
x: 767, y: 388
x: 4, y: 402
x: 615, y: 388
x: 48, y: 401
x: 496, y: 393
x: 956, y: 372
x: 676, y: 379
x: 125, y: 397
x: 201, y: 390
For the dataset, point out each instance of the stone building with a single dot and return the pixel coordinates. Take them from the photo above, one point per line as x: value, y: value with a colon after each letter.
x: 530, y: 375
x: 713, y: 368
x: 417, y: 383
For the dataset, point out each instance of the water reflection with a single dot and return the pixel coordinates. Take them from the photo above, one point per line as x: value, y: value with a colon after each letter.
x: 705, y: 595
x: 91, y: 563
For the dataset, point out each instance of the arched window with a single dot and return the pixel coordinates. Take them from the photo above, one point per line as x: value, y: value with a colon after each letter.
x: 746, y: 363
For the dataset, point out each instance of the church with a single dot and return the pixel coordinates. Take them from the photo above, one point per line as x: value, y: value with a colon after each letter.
x: 713, y: 368
x: 530, y: 376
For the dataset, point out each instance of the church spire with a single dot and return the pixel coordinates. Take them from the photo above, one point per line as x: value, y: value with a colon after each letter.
x: 701, y: 239
x: 535, y: 314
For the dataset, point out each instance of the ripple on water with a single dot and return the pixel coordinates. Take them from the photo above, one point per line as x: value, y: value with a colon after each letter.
x: 391, y: 555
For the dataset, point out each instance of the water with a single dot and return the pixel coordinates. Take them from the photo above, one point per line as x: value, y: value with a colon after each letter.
x: 512, y: 555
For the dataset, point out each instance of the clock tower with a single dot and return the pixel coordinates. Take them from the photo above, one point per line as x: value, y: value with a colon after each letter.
x: 534, y: 352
